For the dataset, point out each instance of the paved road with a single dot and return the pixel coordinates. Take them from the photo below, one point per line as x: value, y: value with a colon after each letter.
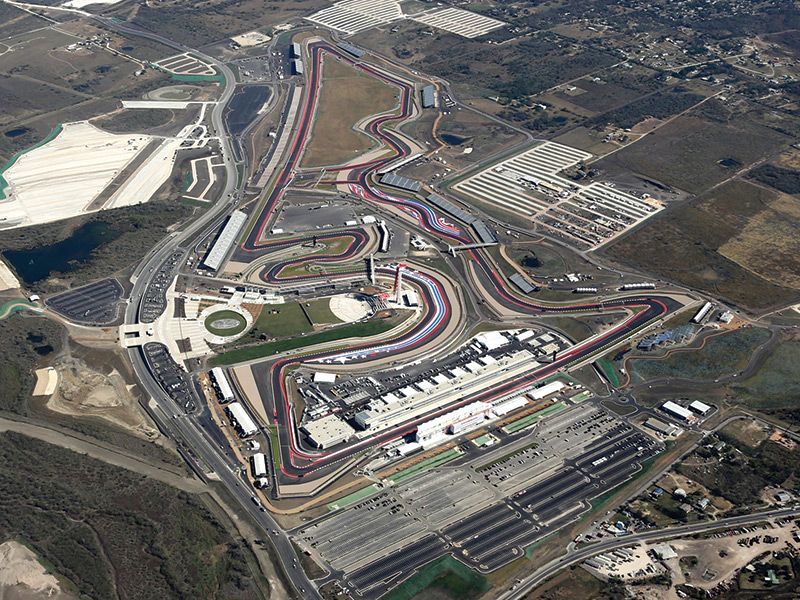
x: 108, y: 454
x: 554, y: 566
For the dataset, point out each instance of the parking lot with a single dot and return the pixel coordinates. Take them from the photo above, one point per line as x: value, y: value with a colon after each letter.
x: 485, y: 508
x: 170, y: 375
x: 186, y: 64
x: 461, y: 22
x: 155, y: 296
x: 95, y: 304
x: 530, y: 184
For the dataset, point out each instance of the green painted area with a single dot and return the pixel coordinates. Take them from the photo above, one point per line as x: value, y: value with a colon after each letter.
x: 275, y: 445
x: 191, y: 202
x: 425, y: 465
x: 581, y: 396
x: 234, y: 329
x: 15, y: 306
x: 187, y: 182
x: 365, y: 329
x: 10, y: 162
x: 531, y: 420
x: 482, y: 440
x: 353, y: 498
x: 608, y: 370
x: 447, y: 576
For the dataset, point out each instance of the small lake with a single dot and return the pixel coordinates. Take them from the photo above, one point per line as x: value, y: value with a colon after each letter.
x: 14, y: 133
x: 37, y: 264
x: 452, y: 140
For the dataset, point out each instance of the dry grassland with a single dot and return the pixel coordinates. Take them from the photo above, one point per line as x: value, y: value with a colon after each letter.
x: 346, y: 97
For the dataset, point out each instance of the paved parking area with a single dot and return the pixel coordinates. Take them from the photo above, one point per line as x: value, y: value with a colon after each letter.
x: 95, y: 304
x: 531, y: 184
x: 186, y: 64
x: 484, y: 509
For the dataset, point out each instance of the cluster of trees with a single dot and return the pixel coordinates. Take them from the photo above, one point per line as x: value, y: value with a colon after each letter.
x: 780, y: 178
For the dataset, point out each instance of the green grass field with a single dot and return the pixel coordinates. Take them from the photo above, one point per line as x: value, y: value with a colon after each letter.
x: 776, y: 385
x: 282, y: 320
x: 364, y: 329
x: 320, y: 311
x: 447, y: 576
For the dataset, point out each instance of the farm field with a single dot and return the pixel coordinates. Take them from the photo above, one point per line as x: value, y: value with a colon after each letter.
x: 349, y: 97
x: 731, y: 233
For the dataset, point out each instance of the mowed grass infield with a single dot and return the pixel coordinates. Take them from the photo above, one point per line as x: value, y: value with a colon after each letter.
x: 225, y: 315
x: 346, y: 96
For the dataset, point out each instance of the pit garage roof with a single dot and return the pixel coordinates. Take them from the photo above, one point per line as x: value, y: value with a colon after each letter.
x: 398, y: 181
x: 226, y: 239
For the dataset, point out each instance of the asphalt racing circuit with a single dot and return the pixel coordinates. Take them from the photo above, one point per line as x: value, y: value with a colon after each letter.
x: 300, y: 462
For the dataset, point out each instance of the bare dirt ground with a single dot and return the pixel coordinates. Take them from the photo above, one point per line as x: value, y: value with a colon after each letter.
x: 23, y: 577
x: 83, y: 391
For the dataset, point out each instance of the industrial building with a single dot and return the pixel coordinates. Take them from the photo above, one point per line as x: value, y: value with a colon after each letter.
x: 296, y: 50
x: 701, y: 408
x: 225, y: 240
x: 221, y: 385
x: 241, y: 420
x: 258, y: 462
x: 327, y: 431
x: 297, y: 66
x: 659, y: 426
x: 428, y: 96
x: 398, y: 181
x: 677, y: 411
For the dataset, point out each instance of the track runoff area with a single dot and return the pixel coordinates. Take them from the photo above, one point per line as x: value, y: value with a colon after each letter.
x: 597, y: 462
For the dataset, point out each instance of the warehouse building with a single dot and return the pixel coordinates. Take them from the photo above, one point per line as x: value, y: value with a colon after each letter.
x: 677, y: 411
x: 297, y: 66
x: 701, y: 408
x: 327, y: 431
x: 428, y: 96
x: 456, y: 422
x: 241, y: 420
x: 659, y: 426
x: 225, y: 240
x: 702, y: 313
x: 296, y: 50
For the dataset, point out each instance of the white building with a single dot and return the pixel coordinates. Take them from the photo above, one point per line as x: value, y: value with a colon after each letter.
x: 677, y: 411
x: 240, y: 419
x: 259, y: 465
x: 547, y: 390
x: 701, y: 408
x: 455, y: 422
x: 223, y: 388
x: 327, y: 431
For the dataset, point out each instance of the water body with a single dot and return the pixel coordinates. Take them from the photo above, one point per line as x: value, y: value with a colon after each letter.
x: 244, y: 107
x: 14, y: 133
x: 452, y: 140
x: 36, y: 264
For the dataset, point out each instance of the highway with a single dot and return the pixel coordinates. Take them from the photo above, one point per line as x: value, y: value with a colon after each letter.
x: 186, y: 428
x: 577, y: 556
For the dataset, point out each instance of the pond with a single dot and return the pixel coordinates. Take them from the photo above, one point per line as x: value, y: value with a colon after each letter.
x: 35, y: 264
x: 14, y: 133
x: 452, y: 140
